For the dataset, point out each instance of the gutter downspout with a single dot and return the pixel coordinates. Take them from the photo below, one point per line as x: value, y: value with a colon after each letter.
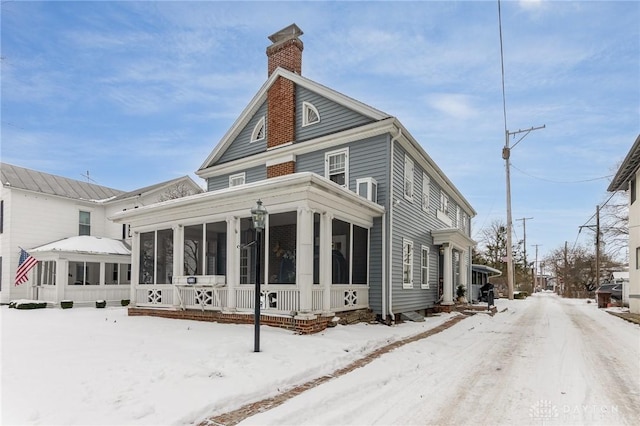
x: 391, y: 205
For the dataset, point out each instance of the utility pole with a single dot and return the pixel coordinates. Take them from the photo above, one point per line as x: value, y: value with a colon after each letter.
x: 506, y: 154
x: 524, y: 245
x: 566, y: 265
x: 597, y: 280
x: 535, y: 269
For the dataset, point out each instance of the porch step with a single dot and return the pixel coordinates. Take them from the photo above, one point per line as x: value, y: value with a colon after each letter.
x: 413, y: 316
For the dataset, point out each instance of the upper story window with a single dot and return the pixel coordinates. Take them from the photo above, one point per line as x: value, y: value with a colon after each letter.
x: 1, y: 216
x: 310, y: 114
x: 426, y: 189
x: 84, y: 227
x: 408, y: 178
x: 237, y: 179
x: 367, y: 188
x: 444, y: 203
x: 259, y: 132
x: 336, y: 167
x: 632, y: 190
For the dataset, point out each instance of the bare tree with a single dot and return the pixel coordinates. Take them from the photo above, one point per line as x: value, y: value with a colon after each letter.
x: 178, y: 190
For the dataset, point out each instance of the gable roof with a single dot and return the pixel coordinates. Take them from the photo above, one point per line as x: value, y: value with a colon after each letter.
x: 627, y: 169
x: 157, y: 187
x: 261, y: 97
x: 32, y: 180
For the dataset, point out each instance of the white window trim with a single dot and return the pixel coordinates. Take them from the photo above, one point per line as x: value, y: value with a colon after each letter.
x: 327, y: 155
x: 237, y: 176
x: 409, y: 184
x: 306, y: 106
x: 423, y: 284
x: 407, y: 244
x: 256, y: 131
x: 426, y: 191
x: 443, y: 209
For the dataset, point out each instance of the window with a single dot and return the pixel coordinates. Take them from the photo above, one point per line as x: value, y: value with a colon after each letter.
x: 407, y: 263
x: 259, y: 132
x: 367, y: 188
x: 117, y: 273
x: 424, y: 272
x: 237, y: 179
x: 156, y: 257
x: 457, y: 210
x: 85, y: 223
x: 84, y: 273
x: 426, y: 189
x: 408, y: 178
x: 444, y: 203
x: 1, y: 216
x: 632, y: 190
x: 310, y: 114
x: 637, y: 257
x: 337, y: 167
x: 45, y: 273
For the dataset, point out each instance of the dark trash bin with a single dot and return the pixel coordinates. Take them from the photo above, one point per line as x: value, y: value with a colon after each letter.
x: 604, y: 299
x: 486, y: 293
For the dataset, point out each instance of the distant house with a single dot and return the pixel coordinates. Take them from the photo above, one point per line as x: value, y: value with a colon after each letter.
x: 63, y: 224
x: 626, y: 179
x: 360, y: 217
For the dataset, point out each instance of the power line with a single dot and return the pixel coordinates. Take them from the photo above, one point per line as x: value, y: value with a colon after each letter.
x: 556, y: 181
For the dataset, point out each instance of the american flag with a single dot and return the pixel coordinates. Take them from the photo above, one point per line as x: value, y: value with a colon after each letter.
x: 25, y: 264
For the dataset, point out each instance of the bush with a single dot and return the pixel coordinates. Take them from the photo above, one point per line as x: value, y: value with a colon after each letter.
x: 66, y: 304
x: 125, y: 302
x: 27, y: 304
x: 101, y: 303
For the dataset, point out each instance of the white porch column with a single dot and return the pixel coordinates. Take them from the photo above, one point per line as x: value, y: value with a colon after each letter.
x: 62, y: 278
x: 135, y: 267
x: 233, y: 260
x: 447, y: 276
x: 326, y: 226
x: 177, y: 264
x: 304, y: 259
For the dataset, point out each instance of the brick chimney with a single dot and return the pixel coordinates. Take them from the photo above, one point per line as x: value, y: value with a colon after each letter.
x: 285, y: 52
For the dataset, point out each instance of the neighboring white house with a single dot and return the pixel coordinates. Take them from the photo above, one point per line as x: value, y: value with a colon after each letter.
x: 361, y: 219
x: 626, y: 179
x: 63, y: 223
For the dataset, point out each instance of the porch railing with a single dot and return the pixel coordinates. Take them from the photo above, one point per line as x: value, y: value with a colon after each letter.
x: 277, y: 299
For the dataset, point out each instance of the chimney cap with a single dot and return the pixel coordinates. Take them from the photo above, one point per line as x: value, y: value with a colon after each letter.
x: 290, y: 32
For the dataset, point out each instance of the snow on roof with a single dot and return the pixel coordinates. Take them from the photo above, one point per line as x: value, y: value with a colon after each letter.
x: 86, y: 244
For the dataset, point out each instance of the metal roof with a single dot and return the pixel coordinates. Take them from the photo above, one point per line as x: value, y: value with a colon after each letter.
x: 32, y: 180
x: 627, y: 169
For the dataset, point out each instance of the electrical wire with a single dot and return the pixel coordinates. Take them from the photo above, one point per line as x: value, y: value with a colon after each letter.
x: 556, y: 181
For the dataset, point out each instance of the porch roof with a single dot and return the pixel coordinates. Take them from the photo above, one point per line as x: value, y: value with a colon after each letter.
x: 279, y: 194
x: 453, y: 236
x: 85, y: 244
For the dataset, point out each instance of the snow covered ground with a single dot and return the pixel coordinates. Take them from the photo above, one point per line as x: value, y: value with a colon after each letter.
x: 543, y: 360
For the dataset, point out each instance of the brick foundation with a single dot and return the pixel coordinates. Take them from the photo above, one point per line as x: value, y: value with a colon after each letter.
x: 301, y: 326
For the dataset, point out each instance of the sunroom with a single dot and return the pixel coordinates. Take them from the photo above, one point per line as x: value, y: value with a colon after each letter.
x: 198, y: 254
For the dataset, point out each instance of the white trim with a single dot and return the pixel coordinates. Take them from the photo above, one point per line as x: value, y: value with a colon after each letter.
x: 306, y: 107
x: 372, y: 188
x: 256, y: 135
x: 408, y: 245
x: 423, y: 284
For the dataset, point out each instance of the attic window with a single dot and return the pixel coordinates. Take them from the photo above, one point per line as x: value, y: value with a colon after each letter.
x: 259, y: 132
x: 310, y: 114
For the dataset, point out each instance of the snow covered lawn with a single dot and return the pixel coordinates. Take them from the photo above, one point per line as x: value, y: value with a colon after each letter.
x: 543, y: 360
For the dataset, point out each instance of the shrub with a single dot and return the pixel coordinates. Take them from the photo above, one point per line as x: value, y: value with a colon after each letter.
x: 66, y: 304
x: 125, y: 302
x: 101, y: 303
x: 27, y: 304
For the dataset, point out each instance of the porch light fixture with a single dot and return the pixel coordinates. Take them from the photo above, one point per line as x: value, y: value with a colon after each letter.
x: 258, y: 217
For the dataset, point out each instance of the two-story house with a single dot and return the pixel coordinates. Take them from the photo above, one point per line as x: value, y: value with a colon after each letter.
x: 360, y: 217
x: 626, y: 179
x: 82, y: 256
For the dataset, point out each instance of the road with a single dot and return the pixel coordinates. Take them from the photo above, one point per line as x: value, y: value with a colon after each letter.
x: 544, y: 360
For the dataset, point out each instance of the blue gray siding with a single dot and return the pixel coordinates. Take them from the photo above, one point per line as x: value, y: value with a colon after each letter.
x: 333, y: 117
x: 241, y: 147
x: 253, y: 174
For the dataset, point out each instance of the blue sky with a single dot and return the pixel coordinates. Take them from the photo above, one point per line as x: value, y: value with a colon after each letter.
x: 141, y: 92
